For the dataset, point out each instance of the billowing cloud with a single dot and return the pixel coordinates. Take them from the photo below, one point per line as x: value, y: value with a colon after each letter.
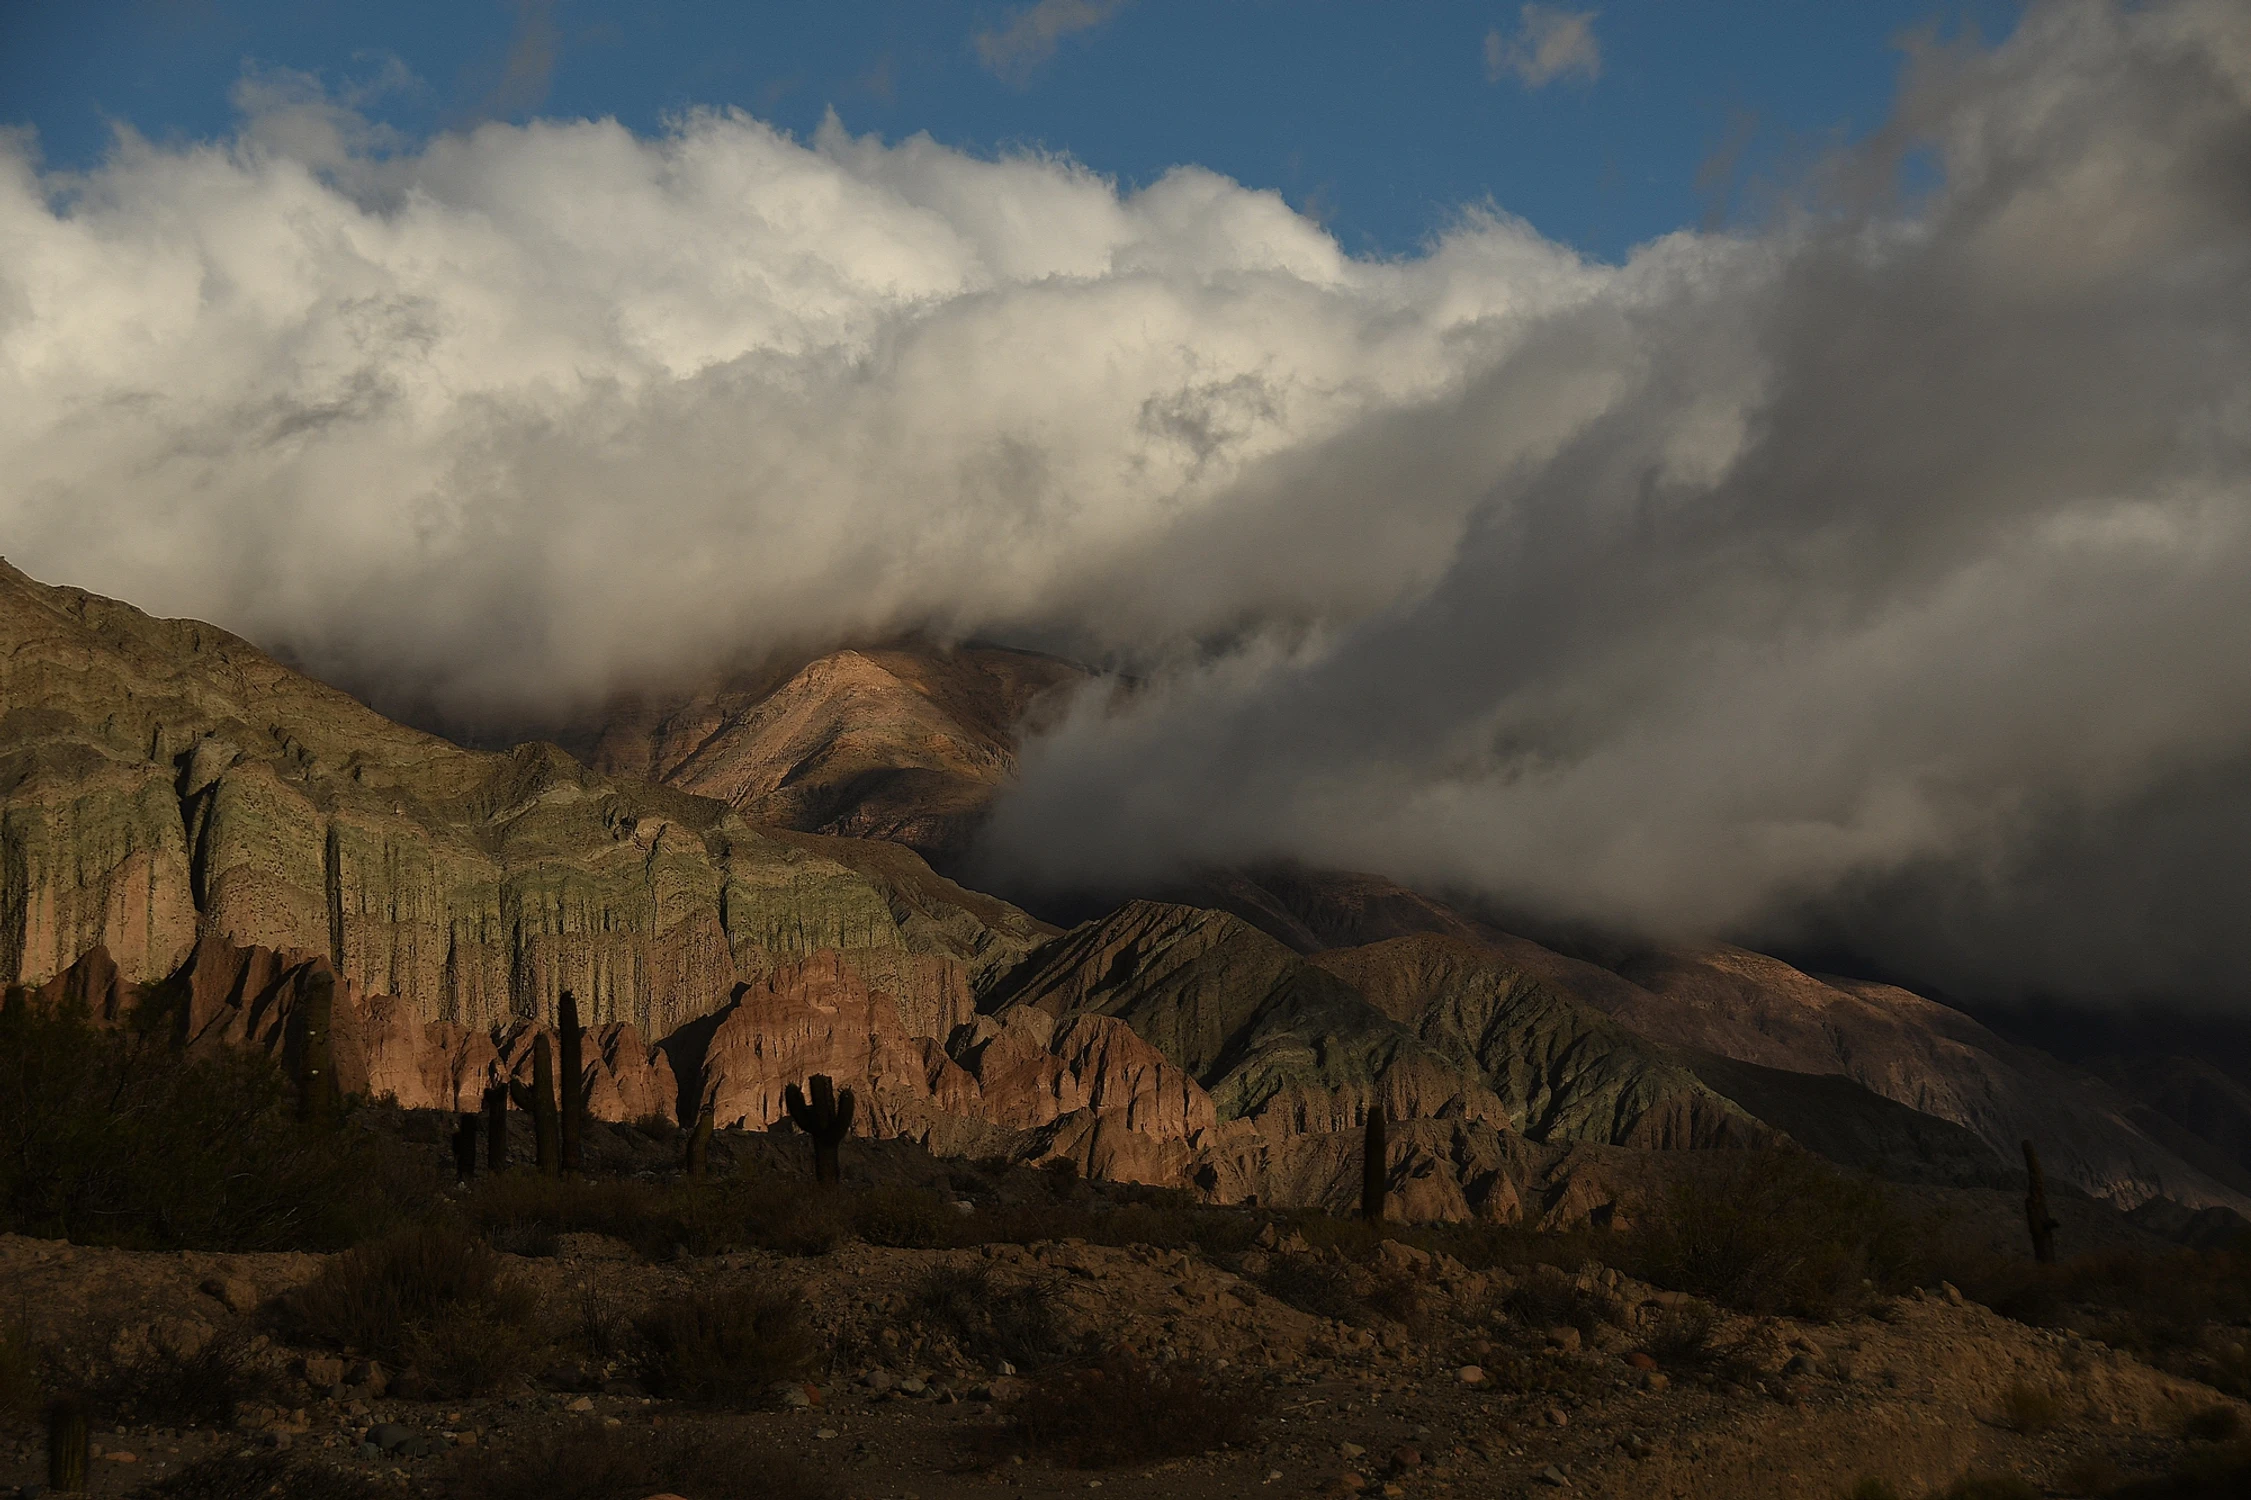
x: 1877, y: 576
x: 1549, y: 44
x: 1016, y: 51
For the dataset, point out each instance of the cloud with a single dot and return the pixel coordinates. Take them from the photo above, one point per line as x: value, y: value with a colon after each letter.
x: 1551, y: 44
x: 1016, y: 51
x: 1876, y: 577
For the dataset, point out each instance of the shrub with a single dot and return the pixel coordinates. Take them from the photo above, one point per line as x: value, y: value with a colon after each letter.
x: 431, y: 1297
x: 2027, y: 1408
x: 1123, y: 1410
x: 1990, y: 1487
x: 112, y: 1136
x: 1775, y: 1232
x: 726, y: 1347
x: 905, y: 1218
x: 1681, y: 1337
x: 262, y: 1476
x: 2202, y: 1474
x: 993, y: 1322
x: 1314, y: 1287
x: 1547, y: 1297
x: 591, y: 1462
x: 22, y: 1392
x: 161, y: 1383
x: 2212, y: 1424
x: 1873, y: 1489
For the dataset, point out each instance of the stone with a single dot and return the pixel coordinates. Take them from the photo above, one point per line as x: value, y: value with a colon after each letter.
x: 1349, y: 1451
x: 1553, y: 1475
x: 1472, y: 1375
x: 388, y: 1437
x: 1641, y: 1361
x: 322, y: 1372
x: 1557, y: 1417
x: 1654, y: 1382
x: 914, y: 1385
x: 877, y: 1379
x: 581, y: 1404
x: 1566, y: 1339
x: 1406, y: 1458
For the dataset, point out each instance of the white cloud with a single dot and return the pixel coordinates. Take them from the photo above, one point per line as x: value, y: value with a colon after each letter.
x: 1551, y: 43
x: 1755, y: 575
x: 1015, y: 52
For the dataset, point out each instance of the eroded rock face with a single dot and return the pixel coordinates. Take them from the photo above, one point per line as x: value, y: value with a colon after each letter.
x: 904, y: 744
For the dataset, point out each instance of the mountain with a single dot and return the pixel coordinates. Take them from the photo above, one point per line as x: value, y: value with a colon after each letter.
x: 905, y: 743
x: 187, y: 824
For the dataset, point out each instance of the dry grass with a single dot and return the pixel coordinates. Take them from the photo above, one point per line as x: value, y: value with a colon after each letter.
x: 593, y: 1462
x: 726, y: 1347
x: 170, y: 1386
x: 1124, y: 1411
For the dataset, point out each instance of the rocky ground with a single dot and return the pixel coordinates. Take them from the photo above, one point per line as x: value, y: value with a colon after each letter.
x: 1467, y: 1396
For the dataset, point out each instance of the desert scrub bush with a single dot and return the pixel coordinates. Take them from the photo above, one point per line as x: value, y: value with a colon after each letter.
x: 1548, y: 1297
x: 751, y: 1210
x: 2203, y: 1473
x: 1775, y: 1232
x: 203, y: 1380
x: 992, y: 1321
x: 432, y: 1298
x: 1123, y: 1410
x: 905, y: 1218
x: 22, y: 1390
x: 1681, y: 1337
x: 725, y: 1346
x: 113, y: 1136
x: 2027, y: 1409
x: 261, y: 1476
x: 2212, y: 1424
x: 1975, y: 1486
x: 1316, y: 1287
x: 701, y: 1461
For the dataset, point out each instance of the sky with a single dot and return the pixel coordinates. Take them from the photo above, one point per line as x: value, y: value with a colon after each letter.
x: 1857, y: 563
x: 1383, y: 121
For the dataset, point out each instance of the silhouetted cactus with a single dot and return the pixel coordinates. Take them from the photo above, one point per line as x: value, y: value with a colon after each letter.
x: 465, y: 1146
x: 828, y: 1119
x: 538, y: 1101
x: 68, y: 1442
x: 573, y: 1079
x: 317, y: 1099
x: 1373, y: 1176
x: 699, y: 1145
x: 2036, y: 1216
x: 496, y: 1126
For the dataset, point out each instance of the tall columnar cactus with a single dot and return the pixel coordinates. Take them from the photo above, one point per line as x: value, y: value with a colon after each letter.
x: 496, y: 1126
x: 699, y: 1145
x: 317, y: 1098
x: 828, y: 1119
x: 573, y: 1079
x: 69, y: 1440
x: 465, y: 1145
x: 2036, y: 1216
x: 538, y: 1101
x: 1373, y: 1175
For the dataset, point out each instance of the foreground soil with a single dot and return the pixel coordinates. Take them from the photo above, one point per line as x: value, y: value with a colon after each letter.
x: 1928, y: 1389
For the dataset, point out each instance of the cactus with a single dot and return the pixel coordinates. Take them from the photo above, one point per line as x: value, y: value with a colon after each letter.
x: 2036, y: 1215
x: 1372, y: 1174
x: 699, y: 1145
x: 538, y: 1101
x: 573, y: 1079
x: 465, y: 1145
x: 68, y: 1441
x: 317, y: 1098
x: 496, y: 1126
x: 828, y: 1119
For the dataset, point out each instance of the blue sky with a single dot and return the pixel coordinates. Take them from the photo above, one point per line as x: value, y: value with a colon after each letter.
x: 1383, y: 119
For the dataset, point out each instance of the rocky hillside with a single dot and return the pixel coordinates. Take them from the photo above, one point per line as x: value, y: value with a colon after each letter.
x: 906, y: 743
